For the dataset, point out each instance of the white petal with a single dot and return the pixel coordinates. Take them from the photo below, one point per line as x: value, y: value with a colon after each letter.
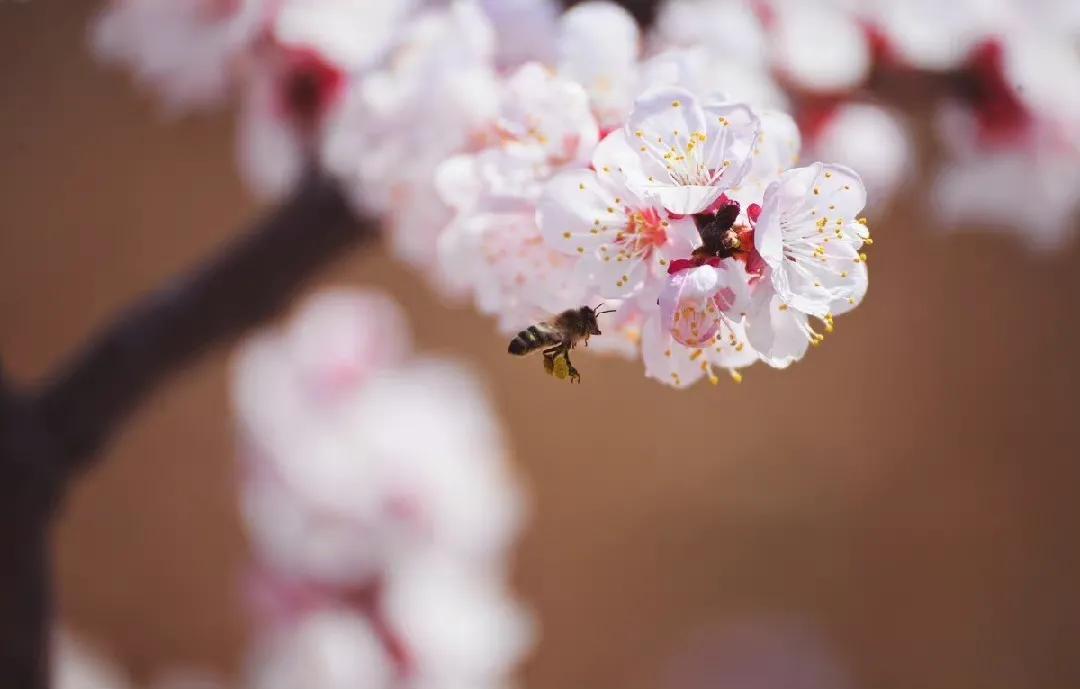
x: 577, y: 213
x: 776, y: 331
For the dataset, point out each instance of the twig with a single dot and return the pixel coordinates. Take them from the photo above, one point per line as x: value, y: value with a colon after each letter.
x: 47, y: 435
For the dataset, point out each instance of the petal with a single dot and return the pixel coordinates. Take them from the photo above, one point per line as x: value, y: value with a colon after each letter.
x: 775, y: 330
x: 613, y: 279
x: 732, y: 130
x: 776, y: 150
x: 662, y: 111
x: 576, y: 213
x: 859, y: 286
x: 684, y: 200
x: 666, y: 360
x: 732, y: 348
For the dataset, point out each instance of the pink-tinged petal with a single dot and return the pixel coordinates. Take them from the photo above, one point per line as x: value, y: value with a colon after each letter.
x: 666, y: 360
x: 690, y: 305
x: 542, y: 108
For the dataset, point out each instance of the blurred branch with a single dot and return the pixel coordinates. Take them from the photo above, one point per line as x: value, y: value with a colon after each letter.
x: 47, y: 434
x: 247, y: 283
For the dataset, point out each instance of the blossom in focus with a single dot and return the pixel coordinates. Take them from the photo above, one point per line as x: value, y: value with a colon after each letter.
x: 621, y: 237
x: 686, y: 152
x: 809, y: 236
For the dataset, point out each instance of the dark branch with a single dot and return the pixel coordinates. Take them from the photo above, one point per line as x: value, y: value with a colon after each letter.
x: 249, y: 282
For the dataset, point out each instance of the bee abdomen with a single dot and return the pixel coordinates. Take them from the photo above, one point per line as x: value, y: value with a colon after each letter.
x: 531, y: 339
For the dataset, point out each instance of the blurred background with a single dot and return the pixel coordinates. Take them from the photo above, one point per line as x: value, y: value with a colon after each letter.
x: 903, y: 517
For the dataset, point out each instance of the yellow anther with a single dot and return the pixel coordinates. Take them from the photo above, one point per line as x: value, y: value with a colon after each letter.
x: 735, y: 376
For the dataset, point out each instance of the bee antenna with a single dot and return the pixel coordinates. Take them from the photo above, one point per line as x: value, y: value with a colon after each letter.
x: 608, y: 311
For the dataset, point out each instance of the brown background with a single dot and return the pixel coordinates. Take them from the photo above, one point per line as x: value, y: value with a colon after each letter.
x: 907, y: 492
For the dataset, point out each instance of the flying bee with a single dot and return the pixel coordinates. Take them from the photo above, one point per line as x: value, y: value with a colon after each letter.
x: 557, y: 337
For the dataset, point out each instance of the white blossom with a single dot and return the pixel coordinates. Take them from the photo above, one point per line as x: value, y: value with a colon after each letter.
x: 623, y: 239
x: 188, y: 51
x: 685, y: 152
x: 328, y: 648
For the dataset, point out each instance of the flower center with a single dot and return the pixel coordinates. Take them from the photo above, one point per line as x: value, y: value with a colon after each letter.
x: 696, y: 322
x: 645, y: 231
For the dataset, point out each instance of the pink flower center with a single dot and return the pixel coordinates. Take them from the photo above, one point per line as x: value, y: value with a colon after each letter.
x: 645, y: 231
x: 696, y: 322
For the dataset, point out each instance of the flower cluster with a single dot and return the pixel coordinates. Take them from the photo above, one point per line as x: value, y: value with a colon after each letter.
x: 603, y: 176
x: 375, y: 491
x: 580, y: 170
x: 534, y: 161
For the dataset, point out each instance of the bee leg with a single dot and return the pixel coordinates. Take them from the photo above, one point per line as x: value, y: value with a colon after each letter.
x: 572, y: 372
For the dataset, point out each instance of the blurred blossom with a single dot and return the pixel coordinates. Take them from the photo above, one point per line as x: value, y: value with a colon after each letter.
x: 187, y: 51
x: 76, y: 665
x: 380, y: 507
x: 435, y: 96
x: 525, y: 30
x: 766, y: 652
x: 325, y: 649
x: 461, y: 630
x: 1042, y: 171
x: 818, y: 45
x: 599, y: 46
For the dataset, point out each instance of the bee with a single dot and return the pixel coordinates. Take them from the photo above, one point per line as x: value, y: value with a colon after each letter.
x: 557, y: 337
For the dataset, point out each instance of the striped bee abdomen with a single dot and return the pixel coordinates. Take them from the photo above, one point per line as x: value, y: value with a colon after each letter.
x: 532, y: 338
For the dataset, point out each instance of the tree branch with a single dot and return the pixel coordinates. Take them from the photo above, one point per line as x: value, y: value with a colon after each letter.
x: 250, y: 281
